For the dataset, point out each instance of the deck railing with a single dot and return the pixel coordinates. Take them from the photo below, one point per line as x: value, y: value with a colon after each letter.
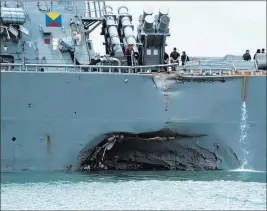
x: 84, y: 68
x: 210, y: 69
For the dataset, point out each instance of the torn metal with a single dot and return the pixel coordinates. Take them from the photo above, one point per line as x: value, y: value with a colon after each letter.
x: 162, y: 150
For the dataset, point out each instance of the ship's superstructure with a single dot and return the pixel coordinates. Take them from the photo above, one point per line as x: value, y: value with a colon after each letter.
x: 63, y: 106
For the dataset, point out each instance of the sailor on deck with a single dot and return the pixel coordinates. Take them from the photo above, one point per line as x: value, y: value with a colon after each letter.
x: 184, y: 58
x: 174, y: 58
x: 166, y: 60
x: 258, y: 51
x: 129, y: 51
x: 247, y: 56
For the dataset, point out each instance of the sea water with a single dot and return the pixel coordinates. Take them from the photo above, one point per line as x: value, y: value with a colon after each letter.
x: 171, y: 190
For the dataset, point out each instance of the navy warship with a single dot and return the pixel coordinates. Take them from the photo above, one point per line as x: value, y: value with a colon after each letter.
x: 65, y: 107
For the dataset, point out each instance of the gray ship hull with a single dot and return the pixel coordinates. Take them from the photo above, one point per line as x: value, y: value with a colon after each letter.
x: 48, y: 118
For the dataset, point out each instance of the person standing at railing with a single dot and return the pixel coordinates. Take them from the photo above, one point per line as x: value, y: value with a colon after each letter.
x: 166, y: 60
x: 258, y: 51
x: 174, y: 58
x: 247, y: 56
x: 184, y: 58
x: 262, y: 50
x: 129, y: 51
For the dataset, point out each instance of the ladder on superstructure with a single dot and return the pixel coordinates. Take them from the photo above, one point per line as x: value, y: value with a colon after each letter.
x: 95, y: 12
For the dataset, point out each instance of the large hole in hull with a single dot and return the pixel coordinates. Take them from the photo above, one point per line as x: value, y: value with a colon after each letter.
x: 161, y: 150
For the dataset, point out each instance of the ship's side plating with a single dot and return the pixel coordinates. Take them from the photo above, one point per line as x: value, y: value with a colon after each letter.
x: 215, y: 109
x: 55, y: 121
x: 46, y: 129
x: 49, y: 117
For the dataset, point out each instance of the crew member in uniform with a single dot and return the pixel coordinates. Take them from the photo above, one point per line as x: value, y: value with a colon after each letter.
x: 129, y: 51
x: 258, y: 51
x: 166, y: 60
x: 247, y: 56
x: 184, y: 58
x: 174, y: 58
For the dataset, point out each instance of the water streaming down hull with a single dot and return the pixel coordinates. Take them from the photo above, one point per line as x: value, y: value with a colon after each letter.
x: 244, y: 130
x: 54, y: 119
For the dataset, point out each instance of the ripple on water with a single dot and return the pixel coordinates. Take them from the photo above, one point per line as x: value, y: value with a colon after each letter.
x: 148, y: 194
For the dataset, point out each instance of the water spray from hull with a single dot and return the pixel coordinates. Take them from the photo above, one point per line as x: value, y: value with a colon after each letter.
x: 244, y: 127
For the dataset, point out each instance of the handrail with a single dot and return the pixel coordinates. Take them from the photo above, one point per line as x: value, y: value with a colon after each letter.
x: 92, y: 66
x: 128, y: 69
x: 110, y: 66
x: 81, y: 67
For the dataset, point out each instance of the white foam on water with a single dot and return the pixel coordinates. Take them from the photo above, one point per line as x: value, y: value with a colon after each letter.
x: 244, y: 127
x: 135, y: 195
x: 247, y: 170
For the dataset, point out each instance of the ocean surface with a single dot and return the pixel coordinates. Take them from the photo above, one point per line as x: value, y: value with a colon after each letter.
x: 166, y: 190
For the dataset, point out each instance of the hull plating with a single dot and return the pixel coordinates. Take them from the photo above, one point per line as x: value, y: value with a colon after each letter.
x: 48, y: 118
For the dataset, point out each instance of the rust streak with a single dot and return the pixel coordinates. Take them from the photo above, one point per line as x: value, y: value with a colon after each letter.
x: 48, y: 143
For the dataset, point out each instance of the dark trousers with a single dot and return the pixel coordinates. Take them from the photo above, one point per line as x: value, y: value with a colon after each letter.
x: 177, y: 62
x: 165, y: 68
x: 129, y: 60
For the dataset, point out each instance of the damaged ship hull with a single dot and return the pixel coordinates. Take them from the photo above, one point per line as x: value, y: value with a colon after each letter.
x: 50, y: 120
